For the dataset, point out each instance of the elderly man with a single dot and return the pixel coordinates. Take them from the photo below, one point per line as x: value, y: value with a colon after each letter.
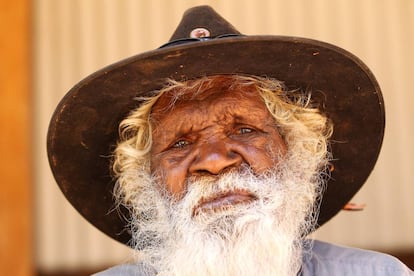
x: 219, y: 167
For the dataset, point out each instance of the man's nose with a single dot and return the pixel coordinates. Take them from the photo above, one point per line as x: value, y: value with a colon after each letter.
x: 215, y: 158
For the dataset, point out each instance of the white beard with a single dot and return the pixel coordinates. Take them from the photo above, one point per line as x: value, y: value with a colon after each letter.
x: 263, y: 237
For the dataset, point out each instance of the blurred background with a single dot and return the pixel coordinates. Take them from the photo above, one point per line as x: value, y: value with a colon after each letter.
x: 47, y: 46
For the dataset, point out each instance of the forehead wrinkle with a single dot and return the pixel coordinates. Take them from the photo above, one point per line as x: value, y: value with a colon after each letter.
x: 199, y: 110
x: 192, y: 120
x: 184, y: 124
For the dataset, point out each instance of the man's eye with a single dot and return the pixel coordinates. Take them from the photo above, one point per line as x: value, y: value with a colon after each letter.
x: 180, y: 144
x: 245, y: 130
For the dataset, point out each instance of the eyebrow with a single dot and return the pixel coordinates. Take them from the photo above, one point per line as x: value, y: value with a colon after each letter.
x: 169, y: 137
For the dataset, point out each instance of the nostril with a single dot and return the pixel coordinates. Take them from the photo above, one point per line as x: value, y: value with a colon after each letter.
x: 235, y: 158
x: 232, y: 155
x: 203, y: 172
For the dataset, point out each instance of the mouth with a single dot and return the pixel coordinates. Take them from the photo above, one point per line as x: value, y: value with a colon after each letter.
x: 223, y: 201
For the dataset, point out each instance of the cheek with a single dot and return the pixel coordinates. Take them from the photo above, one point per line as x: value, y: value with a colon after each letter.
x: 265, y: 154
x: 259, y: 159
x: 276, y: 147
x: 170, y: 174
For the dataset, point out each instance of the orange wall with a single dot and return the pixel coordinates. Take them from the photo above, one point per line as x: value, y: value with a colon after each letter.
x: 15, y: 136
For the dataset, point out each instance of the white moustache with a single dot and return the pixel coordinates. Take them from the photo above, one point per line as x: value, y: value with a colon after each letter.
x: 208, y: 197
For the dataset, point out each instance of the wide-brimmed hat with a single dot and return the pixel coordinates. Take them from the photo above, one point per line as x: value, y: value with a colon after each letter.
x: 84, y: 128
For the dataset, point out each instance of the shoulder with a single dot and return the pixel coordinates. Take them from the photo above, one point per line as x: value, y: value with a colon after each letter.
x: 322, y: 258
x: 127, y: 270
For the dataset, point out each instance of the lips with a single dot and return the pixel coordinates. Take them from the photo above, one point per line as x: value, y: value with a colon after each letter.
x: 223, y: 201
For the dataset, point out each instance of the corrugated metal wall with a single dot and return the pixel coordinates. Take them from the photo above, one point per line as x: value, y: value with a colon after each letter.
x: 73, y: 38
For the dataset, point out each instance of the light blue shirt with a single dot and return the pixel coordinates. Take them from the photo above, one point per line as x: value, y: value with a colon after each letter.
x: 328, y: 259
x: 323, y: 259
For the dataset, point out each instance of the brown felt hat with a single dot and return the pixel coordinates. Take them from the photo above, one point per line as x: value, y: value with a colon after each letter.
x: 84, y: 128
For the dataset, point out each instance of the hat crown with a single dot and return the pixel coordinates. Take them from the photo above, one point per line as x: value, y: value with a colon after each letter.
x: 202, y: 18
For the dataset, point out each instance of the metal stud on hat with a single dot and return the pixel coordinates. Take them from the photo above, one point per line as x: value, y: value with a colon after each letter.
x: 199, y: 33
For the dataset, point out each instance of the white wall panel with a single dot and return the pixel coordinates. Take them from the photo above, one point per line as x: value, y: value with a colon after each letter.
x: 73, y: 38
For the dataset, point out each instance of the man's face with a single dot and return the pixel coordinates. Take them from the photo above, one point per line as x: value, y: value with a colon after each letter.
x: 218, y: 199
x: 212, y: 133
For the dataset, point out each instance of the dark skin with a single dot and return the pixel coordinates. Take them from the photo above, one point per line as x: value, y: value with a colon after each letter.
x: 213, y: 133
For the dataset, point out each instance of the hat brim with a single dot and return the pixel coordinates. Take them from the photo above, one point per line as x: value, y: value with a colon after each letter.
x: 84, y: 128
